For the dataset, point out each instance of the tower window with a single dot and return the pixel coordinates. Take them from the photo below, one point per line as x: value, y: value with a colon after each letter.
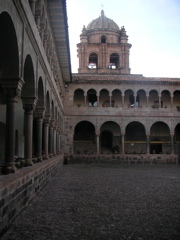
x: 103, y: 39
x: 114, y: 61
x: 93, y: 60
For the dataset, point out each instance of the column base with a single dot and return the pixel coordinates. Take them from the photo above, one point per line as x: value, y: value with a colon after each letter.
x: 45, y: 157
x: 8, y: 168
x: 28, y: 162
x: 40, y: 159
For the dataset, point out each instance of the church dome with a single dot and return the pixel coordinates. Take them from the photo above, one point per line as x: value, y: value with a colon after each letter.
x: 103, y: 23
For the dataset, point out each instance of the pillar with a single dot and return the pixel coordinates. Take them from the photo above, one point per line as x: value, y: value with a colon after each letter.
x: 171, y: 101
x: 46, y: 138
x: 97, y: 100
x: 29, y: 106
x: 85, y: 99
x: 147, y: 143
x: 54, y: 140
x: 110, y: 99
x: 97, y: 143
x: 159, y: 101
x: 122, y: 100
x: 12, y: 89
x: 172, y: 143
x: 147, y: 100
x: 51, y: 137
x: 122, y: 141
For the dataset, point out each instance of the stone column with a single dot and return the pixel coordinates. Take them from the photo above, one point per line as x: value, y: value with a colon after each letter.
x: 172, y: 143
x: 85, y: 99
x: 122, y: 142
x: 29, y: 106
x: 51, y: 138
x: 122, y: 100
x: 57, y: 140
x: 97, y: 100
x: 38, y: 116
x: 147, y: 143
x: 147, y: 100
x: 54, y: 136
x: 11, y: 88
x: 159, y: 101
x: 97, y: 143
x: 134, y: 100
x: 110, y: 99
x: 46, y: 137
x: 172, y: 101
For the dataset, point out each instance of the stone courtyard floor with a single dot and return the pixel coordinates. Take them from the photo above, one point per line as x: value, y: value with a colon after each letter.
x: 108, y: 202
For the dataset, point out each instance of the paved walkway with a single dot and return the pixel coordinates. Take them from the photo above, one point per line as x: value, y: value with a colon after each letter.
x: 104, y: 202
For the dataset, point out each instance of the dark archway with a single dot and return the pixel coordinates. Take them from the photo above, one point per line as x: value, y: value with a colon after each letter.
x: 28, y: 89
x: 110, y: 137
x: 92, y: 98
x: 135, y: 138
x: 160, y: 141
x: 9, y: 57
x: 84, y: 138
x: 106, y: 139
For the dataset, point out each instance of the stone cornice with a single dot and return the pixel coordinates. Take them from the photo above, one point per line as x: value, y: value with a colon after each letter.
x: 118, y: 79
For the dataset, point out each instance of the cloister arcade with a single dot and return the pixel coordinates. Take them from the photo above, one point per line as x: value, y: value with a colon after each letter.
x: 133, y: 138
x: 127, y: 98
x: 31, y: 118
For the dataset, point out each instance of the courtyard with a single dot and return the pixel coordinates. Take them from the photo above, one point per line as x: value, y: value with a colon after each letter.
x: 102, y: 201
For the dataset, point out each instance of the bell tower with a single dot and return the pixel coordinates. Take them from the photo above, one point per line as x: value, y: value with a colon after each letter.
x: 103, y: 48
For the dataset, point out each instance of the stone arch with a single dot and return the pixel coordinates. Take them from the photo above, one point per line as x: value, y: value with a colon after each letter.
x: 84, y: 138
x: 40, y: 102
x: 176, y: 99
x: 48, y: 107
x: 154, y: 98
x: 110, y: 133
x: 129, y: 99
x: 52, y: 110
x: 78, y: 97
x: 104, y: 99
x: 166, y: 98
x: 160, y: 141
x: 141, y: 99
x: 92, y: 97
x: 135, y: 138
x: 116, y: 98
x: 9, y: 53
x: 177, y: 139
x: 28, y: 89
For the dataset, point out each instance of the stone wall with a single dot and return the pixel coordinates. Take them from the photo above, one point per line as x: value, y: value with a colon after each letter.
x: 17, y: 190
x: 125, y: 159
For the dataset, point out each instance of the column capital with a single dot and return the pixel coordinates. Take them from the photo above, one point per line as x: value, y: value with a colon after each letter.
x: 47, y: 118
x: 12, y: 86
x: 39, y: 112
x: 29, y: 103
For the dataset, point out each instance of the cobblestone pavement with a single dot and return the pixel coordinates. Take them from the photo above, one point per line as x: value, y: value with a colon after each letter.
x: 104, y: 202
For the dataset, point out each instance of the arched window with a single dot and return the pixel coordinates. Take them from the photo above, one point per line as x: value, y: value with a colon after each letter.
x: 114, y: 61
x: 93, y: 61
x: 103, y: 39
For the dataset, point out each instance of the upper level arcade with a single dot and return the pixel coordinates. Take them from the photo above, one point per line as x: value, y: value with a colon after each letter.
x: 103, y: 48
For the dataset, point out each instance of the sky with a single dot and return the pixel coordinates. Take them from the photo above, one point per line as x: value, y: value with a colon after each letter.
x: 153, y: 27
